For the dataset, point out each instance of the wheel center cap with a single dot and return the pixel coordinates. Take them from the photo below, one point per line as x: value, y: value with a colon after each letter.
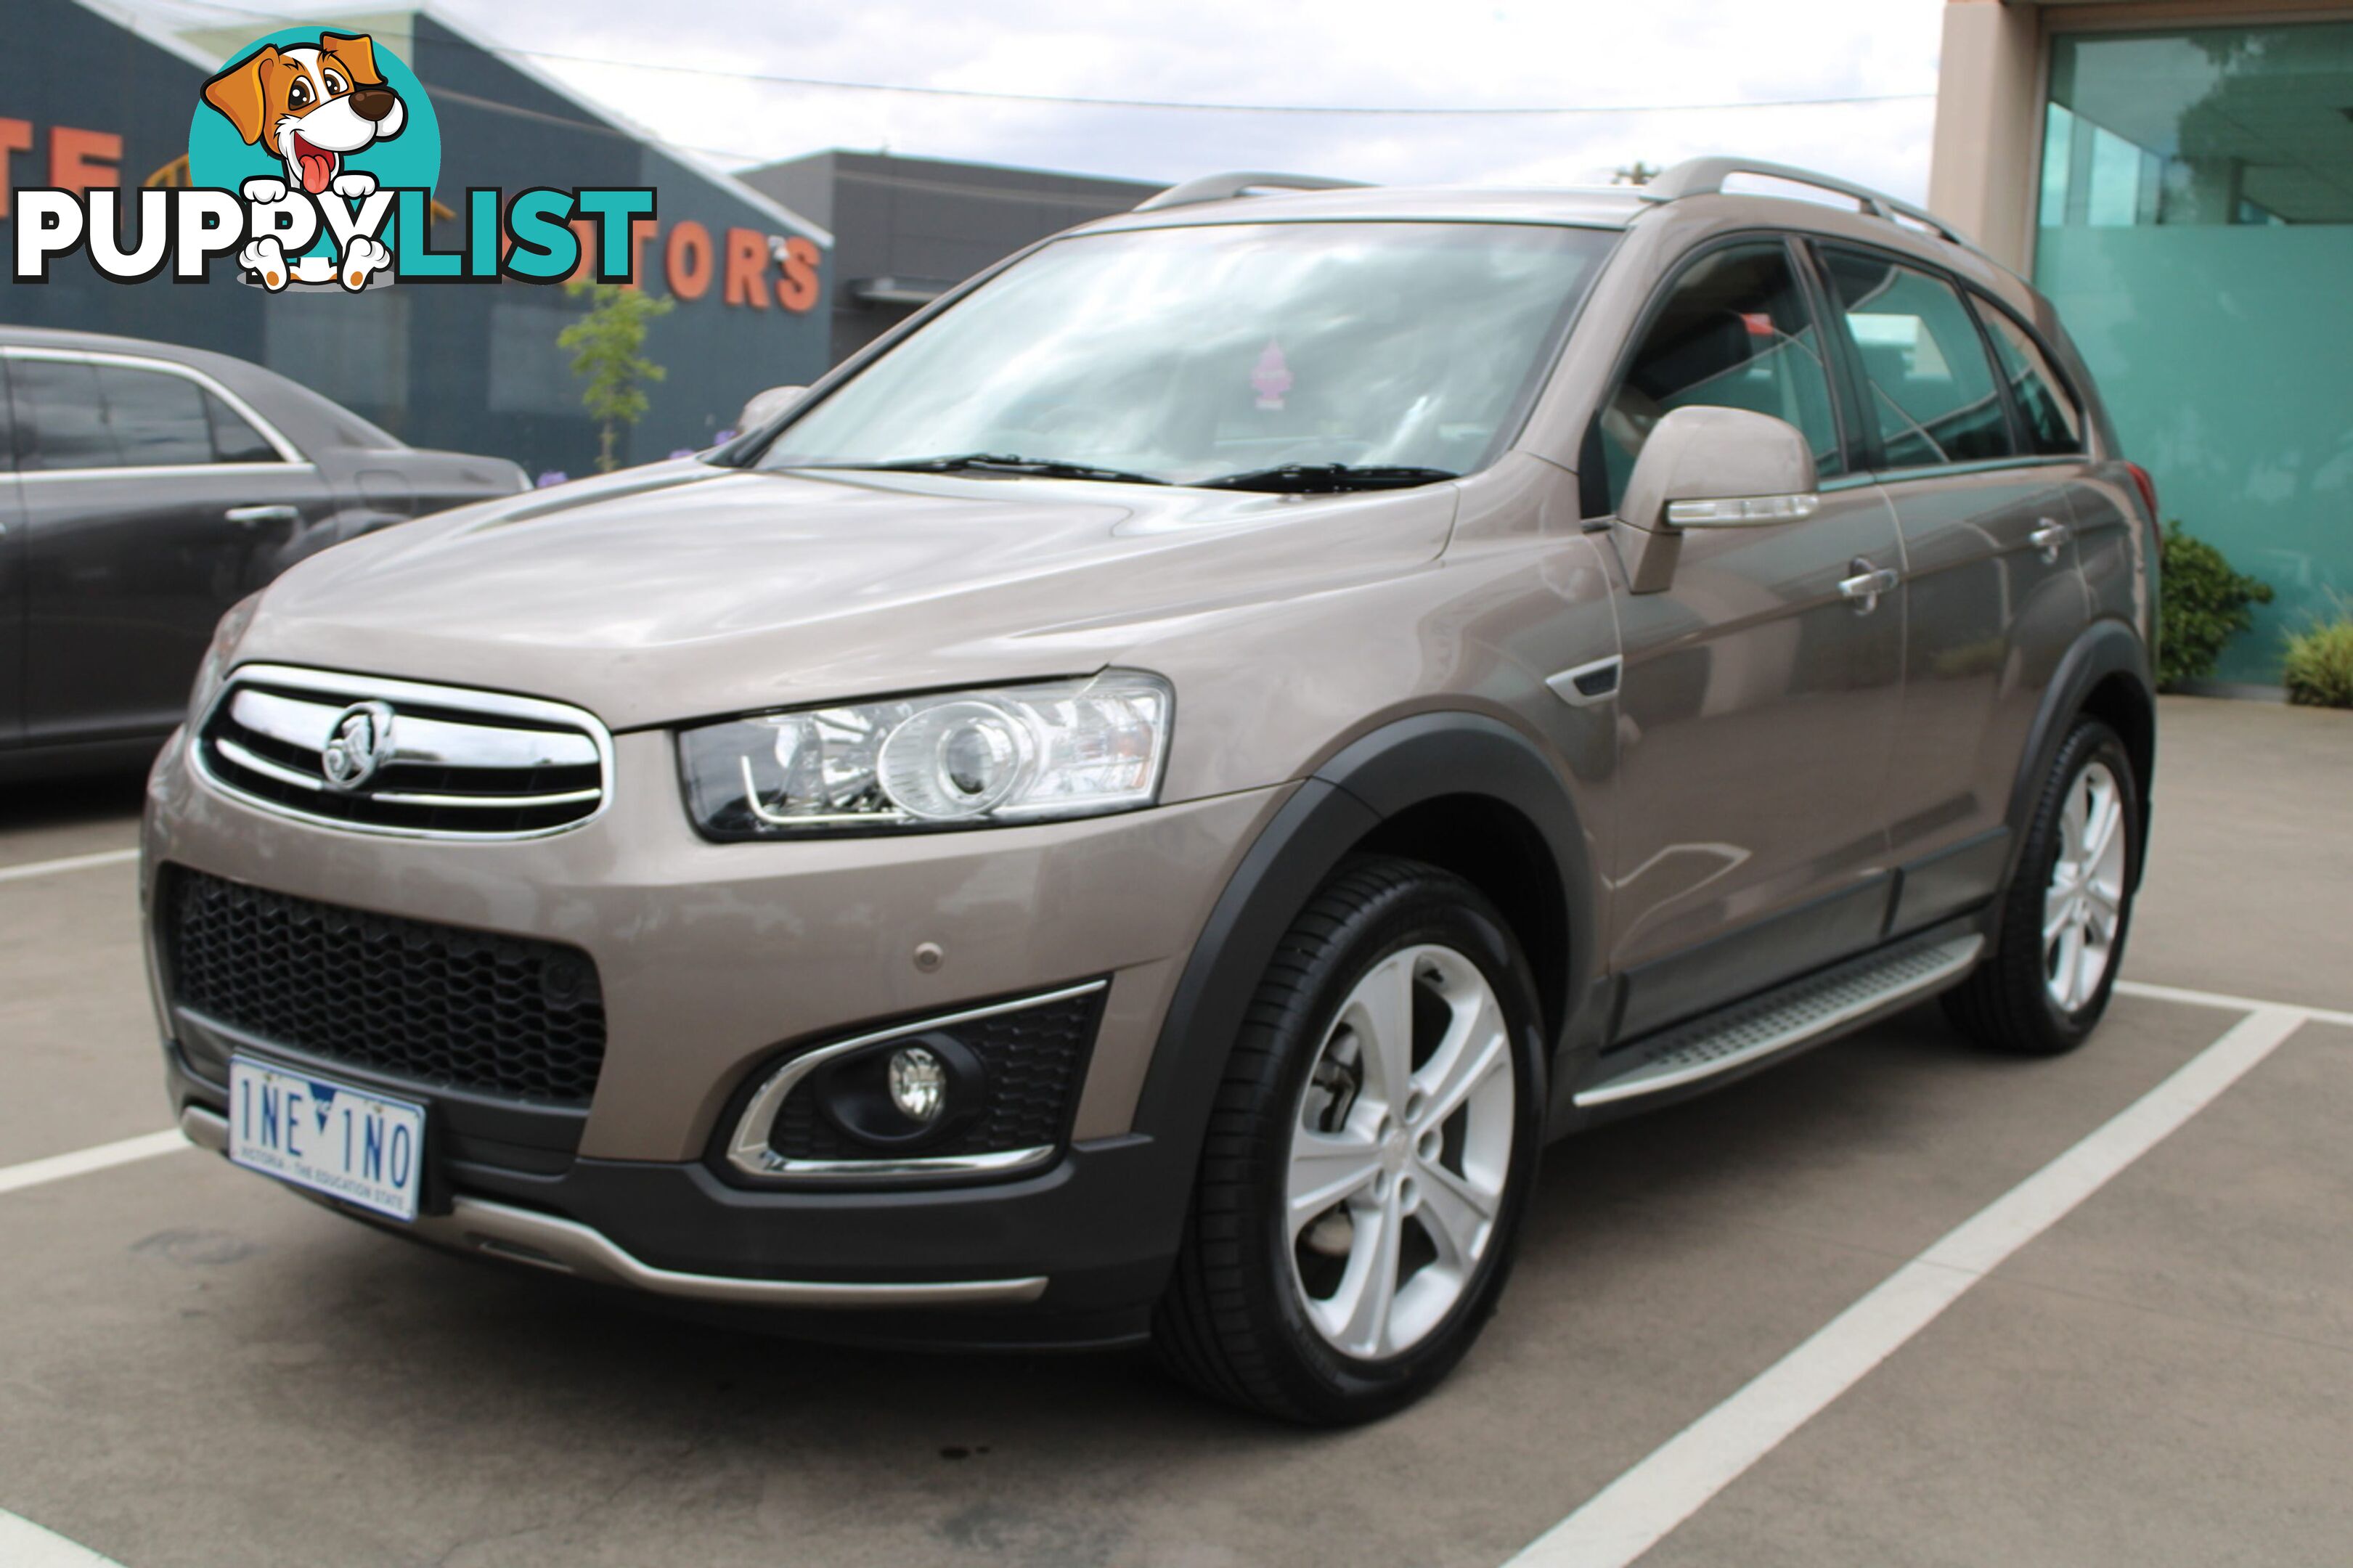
x: 1395, y: 1151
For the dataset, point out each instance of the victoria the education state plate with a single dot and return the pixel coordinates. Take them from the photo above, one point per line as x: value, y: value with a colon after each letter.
x: 349, y: 1143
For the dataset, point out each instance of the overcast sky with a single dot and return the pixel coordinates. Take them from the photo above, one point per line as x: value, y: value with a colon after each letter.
x: 1381, y: 53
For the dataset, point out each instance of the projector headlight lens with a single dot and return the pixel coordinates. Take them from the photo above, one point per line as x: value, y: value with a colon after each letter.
x: 962, y: 759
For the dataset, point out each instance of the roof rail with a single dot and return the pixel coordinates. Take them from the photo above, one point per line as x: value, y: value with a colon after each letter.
x: 1706, y: 176
x: 1223, y: 187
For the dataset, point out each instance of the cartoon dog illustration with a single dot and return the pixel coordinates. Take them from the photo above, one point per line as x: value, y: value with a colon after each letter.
x: 311, y: 106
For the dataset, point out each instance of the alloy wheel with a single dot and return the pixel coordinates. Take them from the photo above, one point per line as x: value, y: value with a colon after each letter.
x: 2083, y: 908
x: 1401, y: 1149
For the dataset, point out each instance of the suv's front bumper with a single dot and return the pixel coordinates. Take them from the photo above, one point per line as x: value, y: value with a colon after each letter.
x: 1050, y: 1259
x: 714, y: 959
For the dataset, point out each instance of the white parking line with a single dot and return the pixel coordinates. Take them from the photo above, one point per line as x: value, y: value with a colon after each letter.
x: 57, y: 1167
x: 1638, y: 1510
x: 2234, y: 1003
x: 24, y: 1544
x: 69, y: 863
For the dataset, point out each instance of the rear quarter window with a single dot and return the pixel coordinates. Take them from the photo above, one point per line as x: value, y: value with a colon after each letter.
x: 1931, y: 390
x: 2053, y: 419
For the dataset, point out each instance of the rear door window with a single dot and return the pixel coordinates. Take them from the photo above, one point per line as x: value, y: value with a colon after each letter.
x: 158, y: 421
x: 234, y: 439
x: 61, y: 416
x: 73, y: 414
x: 2054, y: 421
x: 1733, y: 332
x: 1931, y: 390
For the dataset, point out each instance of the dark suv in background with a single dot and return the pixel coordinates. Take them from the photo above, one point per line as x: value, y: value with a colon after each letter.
x: 146, y: 488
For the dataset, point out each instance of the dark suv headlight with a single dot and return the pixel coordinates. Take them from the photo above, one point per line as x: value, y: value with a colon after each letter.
x: 954, y: 759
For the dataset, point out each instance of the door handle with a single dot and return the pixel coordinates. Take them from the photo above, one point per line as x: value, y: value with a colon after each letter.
x: 252, y: 516
x: 1867, y: 583
x: 2048, y: 537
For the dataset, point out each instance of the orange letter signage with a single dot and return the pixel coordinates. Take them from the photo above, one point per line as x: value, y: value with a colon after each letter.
x: 747, y: 260
x: 796, y: 290
x: 81, y: 159
x: 686, y: 260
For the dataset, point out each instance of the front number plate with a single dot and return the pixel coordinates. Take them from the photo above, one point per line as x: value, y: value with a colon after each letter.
x: 328, y: 1137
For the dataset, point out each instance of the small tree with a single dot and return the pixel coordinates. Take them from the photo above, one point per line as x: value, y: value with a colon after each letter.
x: 606, y: 347
x: 2202, y: 605
x: 1637, y: 172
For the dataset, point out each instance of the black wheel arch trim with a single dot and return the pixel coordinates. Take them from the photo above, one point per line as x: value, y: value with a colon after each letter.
x: 2108, y: 648
x: 1401, y: 765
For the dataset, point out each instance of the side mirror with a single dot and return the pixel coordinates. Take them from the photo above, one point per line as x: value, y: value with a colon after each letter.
x: 765, y: 405
x: 1710, y: 468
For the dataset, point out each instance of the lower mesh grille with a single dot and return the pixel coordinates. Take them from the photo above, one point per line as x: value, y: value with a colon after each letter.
x: 1033, y: 1058
x: 437, y: 1005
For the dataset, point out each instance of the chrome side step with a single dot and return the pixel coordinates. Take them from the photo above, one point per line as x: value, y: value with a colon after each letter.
x: 1797, y: 1012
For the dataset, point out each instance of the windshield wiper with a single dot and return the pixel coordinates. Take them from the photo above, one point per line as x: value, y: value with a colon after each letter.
x: 996, y: 463
x: 1301, y: 478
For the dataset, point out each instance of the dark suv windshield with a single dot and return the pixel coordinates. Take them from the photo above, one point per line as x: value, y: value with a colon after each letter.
x: 1193, y: 354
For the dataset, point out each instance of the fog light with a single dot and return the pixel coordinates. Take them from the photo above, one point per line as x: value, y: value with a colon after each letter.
x: 919, y: 1084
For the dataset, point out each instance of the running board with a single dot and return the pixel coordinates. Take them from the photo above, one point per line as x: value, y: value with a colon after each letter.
x: 1802, y: 1010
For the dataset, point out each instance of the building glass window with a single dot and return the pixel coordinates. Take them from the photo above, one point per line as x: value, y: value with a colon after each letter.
x: 2196, y: 232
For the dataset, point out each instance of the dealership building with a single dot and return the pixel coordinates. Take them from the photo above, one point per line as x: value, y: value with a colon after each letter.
x: 2178, y: 176
x: 97, y: 93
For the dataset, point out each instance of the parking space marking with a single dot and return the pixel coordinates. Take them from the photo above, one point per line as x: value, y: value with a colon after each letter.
x: 67, y: 863
x: 24, y: 1544
x: 2149, y: 993
x: 57, y: 1167
x: 1641, y: 1507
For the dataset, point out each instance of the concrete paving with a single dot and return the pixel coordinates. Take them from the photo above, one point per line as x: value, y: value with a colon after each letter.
x: 198, y: 1368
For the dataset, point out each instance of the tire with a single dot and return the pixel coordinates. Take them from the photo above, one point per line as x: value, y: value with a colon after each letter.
x: 2036, y: 995
x: 1261, y: 1312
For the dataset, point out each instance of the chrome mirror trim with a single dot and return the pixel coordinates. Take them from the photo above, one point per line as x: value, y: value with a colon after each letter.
x: 1743, y: 511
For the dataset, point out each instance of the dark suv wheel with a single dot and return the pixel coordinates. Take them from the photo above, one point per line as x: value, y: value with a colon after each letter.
x: 2067, y: 910
x: 1370, y: 1148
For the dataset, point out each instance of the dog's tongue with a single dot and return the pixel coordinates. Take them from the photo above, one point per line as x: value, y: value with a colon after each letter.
x: 318, y: 167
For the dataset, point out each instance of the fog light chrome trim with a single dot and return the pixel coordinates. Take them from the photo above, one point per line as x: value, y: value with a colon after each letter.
x: 749, y: 1152
x: 567, y: 1247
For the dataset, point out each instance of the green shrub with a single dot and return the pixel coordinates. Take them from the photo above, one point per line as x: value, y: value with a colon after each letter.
x: 2205, y: 605
x: 2319, y: 666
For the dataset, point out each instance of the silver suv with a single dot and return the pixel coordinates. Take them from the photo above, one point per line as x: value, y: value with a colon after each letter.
x: 1137, y: 805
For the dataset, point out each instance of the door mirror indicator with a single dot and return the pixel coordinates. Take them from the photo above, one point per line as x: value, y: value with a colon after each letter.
x: 1706, y: 466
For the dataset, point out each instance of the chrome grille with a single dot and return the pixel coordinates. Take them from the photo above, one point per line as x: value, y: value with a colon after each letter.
x: 440, y: 762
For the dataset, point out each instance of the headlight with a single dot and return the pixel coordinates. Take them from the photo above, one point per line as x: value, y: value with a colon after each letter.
x: 959, y: 759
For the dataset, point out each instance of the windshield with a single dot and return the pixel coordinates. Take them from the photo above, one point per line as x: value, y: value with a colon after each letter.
x: 1193, y: 354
